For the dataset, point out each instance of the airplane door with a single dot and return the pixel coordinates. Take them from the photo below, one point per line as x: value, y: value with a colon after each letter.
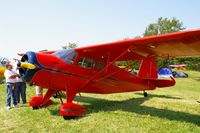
x: 83, y: 71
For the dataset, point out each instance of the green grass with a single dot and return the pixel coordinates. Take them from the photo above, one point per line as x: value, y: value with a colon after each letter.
x: 172, y: 109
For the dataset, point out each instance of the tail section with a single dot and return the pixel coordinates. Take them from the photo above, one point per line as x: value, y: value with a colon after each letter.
x: 148, y: 71
x: 163, y: 82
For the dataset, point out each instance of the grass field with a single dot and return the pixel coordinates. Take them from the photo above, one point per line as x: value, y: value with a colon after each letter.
x: 173, y: 109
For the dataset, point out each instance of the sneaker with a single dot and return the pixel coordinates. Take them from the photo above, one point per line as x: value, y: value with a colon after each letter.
x: 8, y: 107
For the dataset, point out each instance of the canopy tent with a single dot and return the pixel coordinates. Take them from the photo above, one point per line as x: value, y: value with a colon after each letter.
x: 165, y: 73
x: 180, y: 74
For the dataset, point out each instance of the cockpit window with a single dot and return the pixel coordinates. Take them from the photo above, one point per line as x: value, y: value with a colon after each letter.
x: 86, y: 63
x: 67, y: 55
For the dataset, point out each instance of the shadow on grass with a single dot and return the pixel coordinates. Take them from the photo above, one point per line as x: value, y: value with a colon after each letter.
x: 134, y: 105
x: 54, y: 110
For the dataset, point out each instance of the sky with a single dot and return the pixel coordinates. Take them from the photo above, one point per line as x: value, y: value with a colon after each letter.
x: 33, y: 25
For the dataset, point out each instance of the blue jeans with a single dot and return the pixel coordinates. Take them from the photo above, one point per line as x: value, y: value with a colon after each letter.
x: 21, y: 90
x: 11, y: 92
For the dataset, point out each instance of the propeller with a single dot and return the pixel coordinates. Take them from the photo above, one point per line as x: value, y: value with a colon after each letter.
x: 25, y: 65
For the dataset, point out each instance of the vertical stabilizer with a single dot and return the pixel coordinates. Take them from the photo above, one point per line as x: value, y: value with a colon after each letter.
x: 148, y: 69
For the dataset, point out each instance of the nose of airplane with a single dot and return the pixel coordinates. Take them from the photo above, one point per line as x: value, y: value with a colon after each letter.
x: 28, y: 65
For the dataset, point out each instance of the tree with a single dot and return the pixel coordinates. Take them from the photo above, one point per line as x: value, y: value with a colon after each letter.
x: 70, y: 45
x: 163, y: 26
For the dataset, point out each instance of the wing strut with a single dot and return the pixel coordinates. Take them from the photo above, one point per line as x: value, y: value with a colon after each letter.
x: 106, y: 67
x: 116, y: 71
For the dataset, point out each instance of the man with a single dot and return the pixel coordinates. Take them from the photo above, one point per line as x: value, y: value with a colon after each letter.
x: 20, y: 85
x: 10, y: 76
x: 21, y: 89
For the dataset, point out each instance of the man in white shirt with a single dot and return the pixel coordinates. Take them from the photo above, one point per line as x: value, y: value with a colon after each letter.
x: 10, y: 76
x: 21, y: 88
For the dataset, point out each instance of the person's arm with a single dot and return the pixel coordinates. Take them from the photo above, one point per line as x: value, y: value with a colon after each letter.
x: 14, y: 76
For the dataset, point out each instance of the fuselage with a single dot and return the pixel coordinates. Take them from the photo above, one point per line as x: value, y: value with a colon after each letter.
x: 68, y: 69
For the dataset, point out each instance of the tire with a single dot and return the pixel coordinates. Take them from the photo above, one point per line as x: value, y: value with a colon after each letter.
x: 69, y: 117
x: 35, y: 108
x: 145, y: 94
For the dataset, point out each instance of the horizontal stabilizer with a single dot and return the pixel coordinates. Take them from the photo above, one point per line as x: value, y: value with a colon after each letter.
x: 163, y: 82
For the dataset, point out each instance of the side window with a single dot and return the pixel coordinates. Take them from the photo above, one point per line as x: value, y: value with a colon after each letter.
x: 86, y: 63
x: 67, y: 55
x: 100, y: 65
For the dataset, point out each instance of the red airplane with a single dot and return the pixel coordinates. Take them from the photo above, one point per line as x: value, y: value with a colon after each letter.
x: 92, y: 69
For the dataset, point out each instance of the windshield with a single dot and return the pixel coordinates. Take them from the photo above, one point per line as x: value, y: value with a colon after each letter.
x: 67, y: 55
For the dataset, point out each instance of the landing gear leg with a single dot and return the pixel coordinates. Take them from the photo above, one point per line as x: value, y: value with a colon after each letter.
x: 145, y: 93
x: 39, y: 101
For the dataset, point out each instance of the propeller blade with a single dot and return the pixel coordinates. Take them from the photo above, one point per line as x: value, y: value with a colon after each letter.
x: 27, y: 65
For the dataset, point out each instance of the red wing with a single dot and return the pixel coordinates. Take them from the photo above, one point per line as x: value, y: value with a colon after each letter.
x: 178, y: 44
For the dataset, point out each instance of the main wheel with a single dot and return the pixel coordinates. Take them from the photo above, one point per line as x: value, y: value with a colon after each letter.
x: 35, y: 108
